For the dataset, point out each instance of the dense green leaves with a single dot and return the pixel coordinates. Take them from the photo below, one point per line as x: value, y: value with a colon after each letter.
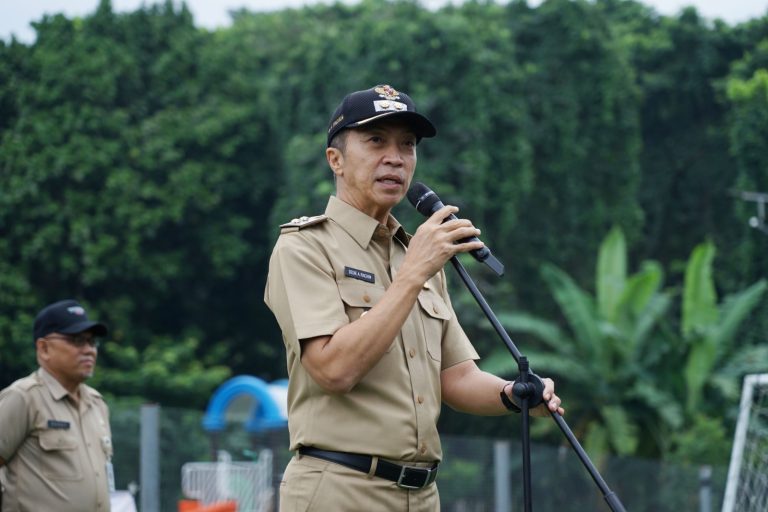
x: 699, y: 298
x: 708, y: 329
x: 145, y: 165
x: 631, y: 346
x: 604, y: 349
x: 611, y: 274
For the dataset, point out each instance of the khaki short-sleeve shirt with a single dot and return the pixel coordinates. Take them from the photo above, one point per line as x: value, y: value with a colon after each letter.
x: 55, y: 449
x: 325, y: 274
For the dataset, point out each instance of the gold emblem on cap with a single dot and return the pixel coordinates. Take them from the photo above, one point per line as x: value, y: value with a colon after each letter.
x: 337, y: 121
x: 387, y: 92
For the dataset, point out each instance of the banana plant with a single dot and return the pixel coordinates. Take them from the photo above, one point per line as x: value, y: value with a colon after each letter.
x: 709, y: 329
x: 607, y: 351
x: 638, y: 380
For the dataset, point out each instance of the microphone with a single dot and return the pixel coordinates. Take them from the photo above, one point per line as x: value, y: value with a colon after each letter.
x: 427, y: 203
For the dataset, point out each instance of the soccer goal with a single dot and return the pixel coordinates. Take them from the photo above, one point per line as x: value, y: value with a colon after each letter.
x: 747, y: 486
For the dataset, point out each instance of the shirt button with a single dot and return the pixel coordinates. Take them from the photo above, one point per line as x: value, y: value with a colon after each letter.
x: 366, y: 298
x: 434, y: 308
x: 412, y: 353
x: 420, y: 399
x: 423, y: 449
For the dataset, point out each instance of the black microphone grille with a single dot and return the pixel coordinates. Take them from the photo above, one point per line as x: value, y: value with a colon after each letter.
x: 424, y: 199
x: 417, y: 192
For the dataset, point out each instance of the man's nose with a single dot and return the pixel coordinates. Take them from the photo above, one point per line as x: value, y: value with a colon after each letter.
x: 393, y: 154
x: 90, y: 348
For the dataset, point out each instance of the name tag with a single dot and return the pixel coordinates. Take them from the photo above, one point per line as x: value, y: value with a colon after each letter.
x: 58, y: 424
x: 362, y: 275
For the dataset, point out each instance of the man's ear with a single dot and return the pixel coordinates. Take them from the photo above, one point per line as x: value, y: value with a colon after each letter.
x: 335, y: 160
x: 42, y: 347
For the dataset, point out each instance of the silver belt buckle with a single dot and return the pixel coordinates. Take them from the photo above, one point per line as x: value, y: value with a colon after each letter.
x: 427, y: 473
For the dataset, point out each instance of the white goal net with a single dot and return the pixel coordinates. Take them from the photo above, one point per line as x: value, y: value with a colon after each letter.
x: 747, y: 486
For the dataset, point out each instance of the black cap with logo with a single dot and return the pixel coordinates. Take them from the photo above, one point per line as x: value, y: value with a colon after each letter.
x: 378, y: 102
x: 65, y: 317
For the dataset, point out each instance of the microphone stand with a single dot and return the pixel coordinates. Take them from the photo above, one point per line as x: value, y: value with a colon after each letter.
x: 522, y: 389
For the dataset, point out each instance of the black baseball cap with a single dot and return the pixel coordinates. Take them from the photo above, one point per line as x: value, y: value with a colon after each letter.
x: 378, y: 102
x: 65, y: 317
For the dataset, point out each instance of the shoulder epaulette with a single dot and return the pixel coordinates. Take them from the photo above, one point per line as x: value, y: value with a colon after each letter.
x: 301, y: 223
x: 27, y: 383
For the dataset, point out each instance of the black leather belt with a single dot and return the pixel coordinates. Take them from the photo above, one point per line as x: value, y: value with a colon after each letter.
x: 407, y: 477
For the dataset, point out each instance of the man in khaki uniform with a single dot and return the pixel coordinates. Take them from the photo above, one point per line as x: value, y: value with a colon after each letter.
x: 56, y: 443
x: 372, y: 342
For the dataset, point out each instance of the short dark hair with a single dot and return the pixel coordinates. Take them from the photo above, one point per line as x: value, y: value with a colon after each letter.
x: 339, y: 141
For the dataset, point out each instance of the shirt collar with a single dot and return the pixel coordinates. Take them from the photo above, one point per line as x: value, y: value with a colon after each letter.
x: 56, y: 389
x: 360, y: 226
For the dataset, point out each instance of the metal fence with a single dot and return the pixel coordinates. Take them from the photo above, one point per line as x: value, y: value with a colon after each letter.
x: 477, y: 474
x: 249, y: 484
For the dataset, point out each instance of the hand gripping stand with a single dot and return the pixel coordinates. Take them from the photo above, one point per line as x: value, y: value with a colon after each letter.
x: 527, y: 390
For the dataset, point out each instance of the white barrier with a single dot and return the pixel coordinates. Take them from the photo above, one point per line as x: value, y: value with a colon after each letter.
x: 247, y: 483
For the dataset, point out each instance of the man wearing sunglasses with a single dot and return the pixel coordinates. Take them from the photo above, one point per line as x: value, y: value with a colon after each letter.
x: 56, y: 442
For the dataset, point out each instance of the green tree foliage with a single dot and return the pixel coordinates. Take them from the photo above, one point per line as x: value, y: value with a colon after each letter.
x: 622, y: 338
x: 611, y: 343
x: 714, y: 359
x: 708, y: 329
x: 104, y: 196
x: 747, y: 92
x: 145, y: 165
x: 582, y: 105
x: 686, y: 166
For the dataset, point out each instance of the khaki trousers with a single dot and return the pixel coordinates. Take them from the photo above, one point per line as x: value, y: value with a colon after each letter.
x: 314, y: 485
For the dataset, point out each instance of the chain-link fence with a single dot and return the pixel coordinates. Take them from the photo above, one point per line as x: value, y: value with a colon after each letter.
x: 467, y: 479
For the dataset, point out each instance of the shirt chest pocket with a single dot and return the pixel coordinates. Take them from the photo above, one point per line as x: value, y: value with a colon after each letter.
x: 359, y: 297
x: 435, y: 313
x: 59, y: 455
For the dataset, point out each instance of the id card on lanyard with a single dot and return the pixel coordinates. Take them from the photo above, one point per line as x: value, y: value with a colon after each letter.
x: 109, y: 470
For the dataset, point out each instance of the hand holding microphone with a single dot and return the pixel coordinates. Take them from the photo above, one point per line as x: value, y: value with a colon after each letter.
x: 427, y: 203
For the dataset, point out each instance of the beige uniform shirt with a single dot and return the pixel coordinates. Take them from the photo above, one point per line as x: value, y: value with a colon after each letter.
x: 56, y: 450
x: 325, y: 273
